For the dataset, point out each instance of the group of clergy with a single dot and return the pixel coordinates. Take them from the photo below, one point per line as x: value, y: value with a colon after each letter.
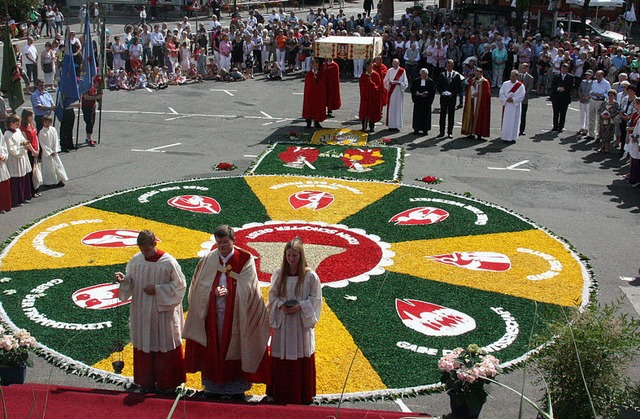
x: 381, y: 86
x: 477, y: 106
x: 476, y: 116
x: 228, y: 326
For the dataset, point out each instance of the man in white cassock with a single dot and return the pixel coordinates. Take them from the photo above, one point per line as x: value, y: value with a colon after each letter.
x: 395, y: 82
x: 512, y: 94
x: 156, y: 285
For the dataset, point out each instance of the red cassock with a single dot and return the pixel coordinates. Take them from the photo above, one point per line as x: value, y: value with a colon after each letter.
x: 5, y: 195
x: 382, y: 69
x: 210, y: 359
x: 370, y: 97
x: 477, y: 122
x: 315, y: 96
x: 332, y: 75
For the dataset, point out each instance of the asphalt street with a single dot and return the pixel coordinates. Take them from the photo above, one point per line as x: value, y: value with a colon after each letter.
x: 555, y: 179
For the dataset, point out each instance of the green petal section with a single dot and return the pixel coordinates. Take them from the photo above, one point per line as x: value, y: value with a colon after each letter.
x: 404, y: 357
x: 465, y: 217
x: 235, y: 203
x: 43, y: 304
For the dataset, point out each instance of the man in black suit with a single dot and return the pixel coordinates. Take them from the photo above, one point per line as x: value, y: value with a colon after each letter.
x: 423, y: 90
x: 561, y: 96
x: 527, y: 80
x: 449, y: 85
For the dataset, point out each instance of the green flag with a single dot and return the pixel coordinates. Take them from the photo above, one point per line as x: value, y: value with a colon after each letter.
x: 11, y: 85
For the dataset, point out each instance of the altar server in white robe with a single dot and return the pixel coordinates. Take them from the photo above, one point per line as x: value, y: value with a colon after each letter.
x: 512, y: 94
x: 395, y: 82
x: 53, y: 173
x: 156, y: 285
x: 295, y: 301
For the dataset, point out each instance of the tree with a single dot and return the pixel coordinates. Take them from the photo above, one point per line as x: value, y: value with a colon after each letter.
x: 18, y: 9
x: 387, y: 11
x: 583, y: 17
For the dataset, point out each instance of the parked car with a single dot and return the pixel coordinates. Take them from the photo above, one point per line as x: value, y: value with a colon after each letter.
x: 590, y: 29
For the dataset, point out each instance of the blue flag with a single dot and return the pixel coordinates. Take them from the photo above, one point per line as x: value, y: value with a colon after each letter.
x: 68, y: 86
x: 86, y: 78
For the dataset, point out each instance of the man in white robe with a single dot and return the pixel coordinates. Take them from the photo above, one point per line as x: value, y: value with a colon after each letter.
x: 156, y: 285
x: 227, y: 327
x: 395, y: 82
x: 512, y: 94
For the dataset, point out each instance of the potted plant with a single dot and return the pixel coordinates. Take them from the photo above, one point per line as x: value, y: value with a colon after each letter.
x: 14, y: 356
x: 586, y: 367
x: 463, y: 373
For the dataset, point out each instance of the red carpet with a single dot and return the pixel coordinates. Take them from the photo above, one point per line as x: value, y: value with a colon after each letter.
x: 30, y: 400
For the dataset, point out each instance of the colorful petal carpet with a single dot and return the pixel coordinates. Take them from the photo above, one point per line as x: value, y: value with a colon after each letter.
x: 408, y: 272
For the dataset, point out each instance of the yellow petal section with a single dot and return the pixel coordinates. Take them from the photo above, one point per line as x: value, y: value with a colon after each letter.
x: 349, y: 197
x: 335, y: 349
x: 57, y: 241
x: 542, y: 268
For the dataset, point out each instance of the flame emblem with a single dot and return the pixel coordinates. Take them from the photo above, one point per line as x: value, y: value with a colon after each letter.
x: 432, y: 319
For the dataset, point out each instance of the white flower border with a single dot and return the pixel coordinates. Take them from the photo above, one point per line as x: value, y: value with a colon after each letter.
x: 379, y: 269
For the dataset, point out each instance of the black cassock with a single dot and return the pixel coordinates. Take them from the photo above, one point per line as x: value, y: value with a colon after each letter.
x: 422, y: 104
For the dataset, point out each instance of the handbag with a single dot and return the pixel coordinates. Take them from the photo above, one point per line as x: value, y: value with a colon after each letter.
x: 47, y: 67
x: 302, y: 57
x: 36, y: 175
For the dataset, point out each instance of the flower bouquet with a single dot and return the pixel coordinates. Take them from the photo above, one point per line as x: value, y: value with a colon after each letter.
x: 432, y: 180
x: 224, y: 166
x: 15, y: 348
x: 463, y: 373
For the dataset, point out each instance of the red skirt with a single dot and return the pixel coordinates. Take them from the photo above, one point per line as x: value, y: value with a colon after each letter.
x: 5, y: 195
x: 161, y: 370
x: 20, y: 189
x: 293, y: 382
x: 634, y: 171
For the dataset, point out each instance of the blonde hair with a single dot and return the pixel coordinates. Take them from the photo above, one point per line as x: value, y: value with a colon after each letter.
x: 296, y: 245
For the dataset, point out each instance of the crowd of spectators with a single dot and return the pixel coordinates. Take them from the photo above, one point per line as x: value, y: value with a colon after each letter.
x: 280, y: 44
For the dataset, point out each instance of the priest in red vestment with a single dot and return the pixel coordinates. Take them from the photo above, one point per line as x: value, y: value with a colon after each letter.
x: 156, y: 285
x: 314, y: 105
x: 227, y: 326
x: 477, y: 107
x: 331, y: 71
x: 380, y: 68
x: 370, y: 98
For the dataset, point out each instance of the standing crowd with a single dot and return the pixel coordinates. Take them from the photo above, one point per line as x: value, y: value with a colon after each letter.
x: 424, y: 53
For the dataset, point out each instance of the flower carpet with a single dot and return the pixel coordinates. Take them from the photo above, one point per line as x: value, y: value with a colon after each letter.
x: 408, y: 272
x: 346, y: 162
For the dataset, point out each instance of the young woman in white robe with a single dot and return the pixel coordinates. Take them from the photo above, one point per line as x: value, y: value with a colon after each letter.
x: 295, y: 300
x: 53, y: 173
